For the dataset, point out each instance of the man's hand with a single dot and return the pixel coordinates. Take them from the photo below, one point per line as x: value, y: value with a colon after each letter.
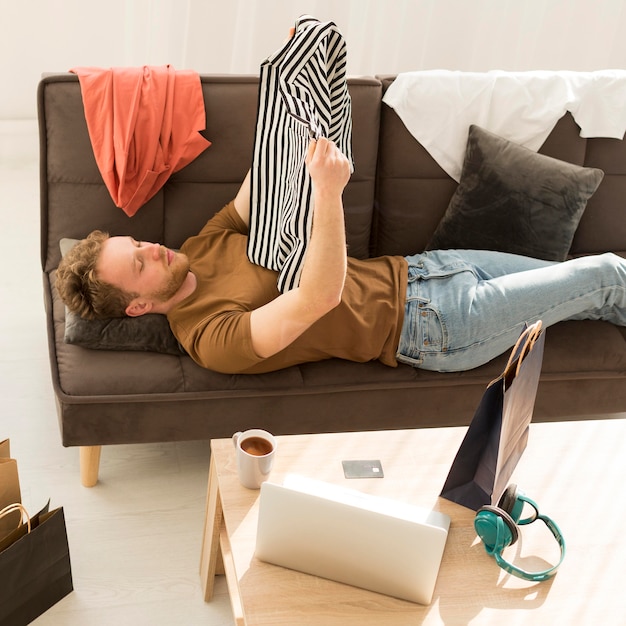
x: 328, y: 167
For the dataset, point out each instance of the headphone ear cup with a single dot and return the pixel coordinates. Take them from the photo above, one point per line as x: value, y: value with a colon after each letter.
x: 496, y: 528
x: 508, y: 499
x: 512, y: 501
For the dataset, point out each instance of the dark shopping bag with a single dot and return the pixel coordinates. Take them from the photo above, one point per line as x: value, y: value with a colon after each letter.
x: 9, y: 488
x: 498, y: 433
x: 35, y: 570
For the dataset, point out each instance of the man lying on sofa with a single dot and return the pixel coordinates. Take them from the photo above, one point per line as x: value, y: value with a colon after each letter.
x: 444, y: 310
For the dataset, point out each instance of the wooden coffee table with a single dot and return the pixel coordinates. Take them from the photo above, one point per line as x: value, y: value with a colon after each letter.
x: 574, y: 470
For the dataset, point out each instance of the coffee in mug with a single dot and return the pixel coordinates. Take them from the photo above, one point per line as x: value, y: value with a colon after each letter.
x: 256, y: 446
x: 255, y: 449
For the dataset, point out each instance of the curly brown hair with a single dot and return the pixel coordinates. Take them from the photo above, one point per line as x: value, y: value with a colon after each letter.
x: 79, y: 286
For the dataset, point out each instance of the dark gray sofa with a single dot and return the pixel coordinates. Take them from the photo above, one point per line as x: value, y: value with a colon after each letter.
x: 393, y: 203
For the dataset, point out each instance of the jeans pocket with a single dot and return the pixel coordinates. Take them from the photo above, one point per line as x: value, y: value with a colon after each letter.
x: 423, y: 333
x: 431, y: 329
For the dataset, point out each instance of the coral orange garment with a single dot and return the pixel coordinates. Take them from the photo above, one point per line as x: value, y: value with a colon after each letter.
x: 144, y: 125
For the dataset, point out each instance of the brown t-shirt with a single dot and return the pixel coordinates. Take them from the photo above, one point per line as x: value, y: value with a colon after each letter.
x: 213, y: 323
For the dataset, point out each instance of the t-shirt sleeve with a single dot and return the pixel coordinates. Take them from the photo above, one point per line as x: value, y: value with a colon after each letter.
x: 223, y: 343
x: 226, y: 219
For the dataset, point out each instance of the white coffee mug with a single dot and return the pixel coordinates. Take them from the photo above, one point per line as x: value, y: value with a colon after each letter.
x: 255, y: 449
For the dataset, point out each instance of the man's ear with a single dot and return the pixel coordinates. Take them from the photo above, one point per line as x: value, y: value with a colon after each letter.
x: 138, y: 307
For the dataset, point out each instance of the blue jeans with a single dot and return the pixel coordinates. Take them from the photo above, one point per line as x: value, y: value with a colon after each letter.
x: 465, y: 307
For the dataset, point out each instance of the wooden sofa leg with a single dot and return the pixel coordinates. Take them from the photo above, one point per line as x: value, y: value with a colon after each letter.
x: 89, y: 465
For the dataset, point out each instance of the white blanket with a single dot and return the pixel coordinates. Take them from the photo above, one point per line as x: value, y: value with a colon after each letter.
x: 438, y: 106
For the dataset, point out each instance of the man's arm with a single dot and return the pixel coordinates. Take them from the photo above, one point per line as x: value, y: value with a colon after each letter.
x: 242, y: 200
x: 278, y: 323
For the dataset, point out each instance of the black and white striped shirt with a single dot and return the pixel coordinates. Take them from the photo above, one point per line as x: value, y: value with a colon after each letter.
x: 303, y: 95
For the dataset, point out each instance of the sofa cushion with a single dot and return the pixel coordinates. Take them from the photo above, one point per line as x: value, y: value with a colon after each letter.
x: 512, y: 199
x: 83, y: 374
x: 147, y: 333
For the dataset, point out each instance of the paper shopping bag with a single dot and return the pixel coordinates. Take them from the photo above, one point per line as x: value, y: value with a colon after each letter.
x: 498, y: 433
x: 35, y: 567
x: 9, y: 488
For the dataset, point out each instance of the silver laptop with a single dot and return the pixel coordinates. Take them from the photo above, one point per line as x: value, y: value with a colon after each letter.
x: 351, y: 537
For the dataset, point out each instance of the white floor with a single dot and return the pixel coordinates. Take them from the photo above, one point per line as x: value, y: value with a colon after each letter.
x: 135, y: 537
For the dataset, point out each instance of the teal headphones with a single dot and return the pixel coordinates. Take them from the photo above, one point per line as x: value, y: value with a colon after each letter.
x: 497, y: 528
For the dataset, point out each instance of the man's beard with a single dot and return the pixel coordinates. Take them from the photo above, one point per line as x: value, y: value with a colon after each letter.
x: 179, y: 271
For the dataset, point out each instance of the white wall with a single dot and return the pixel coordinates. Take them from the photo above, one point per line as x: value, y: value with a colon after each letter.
x: 383, y: 36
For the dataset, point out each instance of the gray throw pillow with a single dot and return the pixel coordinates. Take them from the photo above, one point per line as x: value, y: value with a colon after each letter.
x: 147, y: 333
x: 512, y: 199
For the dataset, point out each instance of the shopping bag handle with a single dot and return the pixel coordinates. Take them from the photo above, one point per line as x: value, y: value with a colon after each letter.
x: 529, y: 336
x: 16, y: 507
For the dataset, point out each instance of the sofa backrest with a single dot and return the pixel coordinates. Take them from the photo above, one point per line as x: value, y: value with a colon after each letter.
x: 413, y: 191
x: 75, y: 201
x: 393, y: 203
